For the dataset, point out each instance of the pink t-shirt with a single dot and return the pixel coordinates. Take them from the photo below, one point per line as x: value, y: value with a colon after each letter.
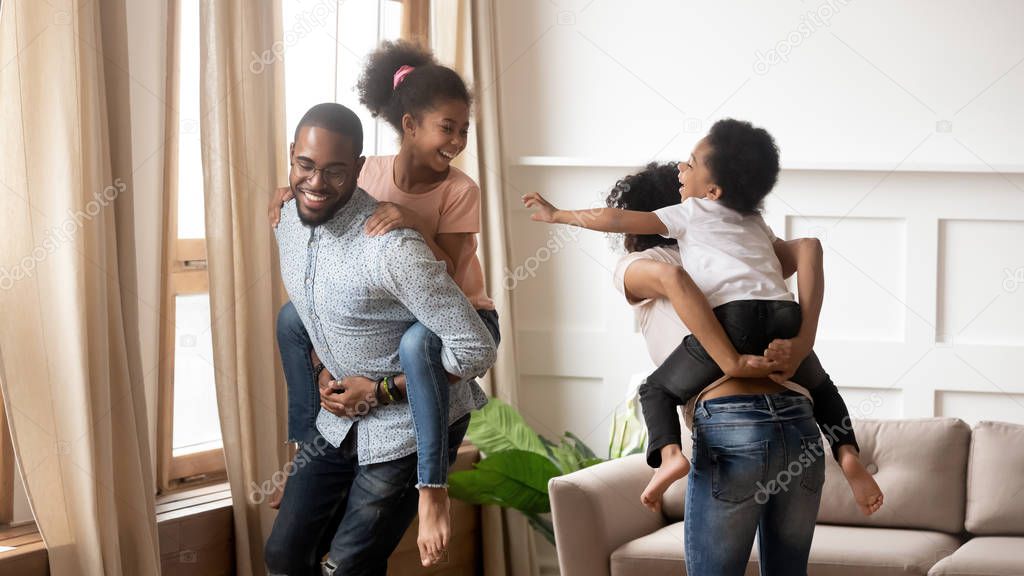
x: 452, y: 206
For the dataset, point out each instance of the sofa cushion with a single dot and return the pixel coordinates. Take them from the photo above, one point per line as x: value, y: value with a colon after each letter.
x: 855, y: 551
x: 991, y: 555
x: 921, y: 466
x: 835, y: 551
x: 995, y: 480
x: 659, y: 553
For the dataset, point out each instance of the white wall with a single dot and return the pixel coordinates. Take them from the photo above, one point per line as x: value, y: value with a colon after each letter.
x: 900, y: 129
x: 863, y: 83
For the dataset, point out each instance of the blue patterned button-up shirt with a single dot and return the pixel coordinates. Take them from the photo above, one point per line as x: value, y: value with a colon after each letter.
x: 357, y: 295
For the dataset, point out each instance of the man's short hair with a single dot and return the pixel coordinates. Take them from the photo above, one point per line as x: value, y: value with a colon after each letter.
x: 336, y: 118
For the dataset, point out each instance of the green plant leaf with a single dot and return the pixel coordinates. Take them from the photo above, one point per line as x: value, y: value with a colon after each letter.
x: 635, y: 450
x: 628, y: 434
x: 524, y: 467
x: 581, y: 446
x: 543, y: 526
x: 498, y: 427
x: 512, y: 479
x: 563, y: 456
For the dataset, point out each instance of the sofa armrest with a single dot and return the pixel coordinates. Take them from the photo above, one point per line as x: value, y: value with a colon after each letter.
x: 598, y: 509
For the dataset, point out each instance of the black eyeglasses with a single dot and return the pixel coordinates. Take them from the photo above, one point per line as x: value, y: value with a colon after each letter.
x: 334, y: 176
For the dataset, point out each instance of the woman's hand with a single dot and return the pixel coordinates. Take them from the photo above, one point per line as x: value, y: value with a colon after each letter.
x: 351, y: 397
x: 389, y: 216
x: 280, y: 196
x: 545, y: 210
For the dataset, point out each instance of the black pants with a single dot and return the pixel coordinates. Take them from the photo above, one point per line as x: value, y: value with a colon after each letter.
x: 355, y: 513
x: 751, y: 325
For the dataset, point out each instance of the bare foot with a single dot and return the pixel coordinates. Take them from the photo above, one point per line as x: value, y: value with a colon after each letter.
x: 674, y: 465
x: 866, y: 492
x: 435, y: 525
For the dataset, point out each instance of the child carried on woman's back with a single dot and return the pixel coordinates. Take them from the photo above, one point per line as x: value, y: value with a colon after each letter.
x: 730, y: 253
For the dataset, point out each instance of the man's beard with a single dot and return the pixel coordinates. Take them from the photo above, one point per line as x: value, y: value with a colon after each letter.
x: 326, y: 214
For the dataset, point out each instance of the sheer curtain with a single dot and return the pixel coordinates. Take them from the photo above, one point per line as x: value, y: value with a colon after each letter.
x: 463, y: 36
x: 244, y: 156
x: 70, y: 358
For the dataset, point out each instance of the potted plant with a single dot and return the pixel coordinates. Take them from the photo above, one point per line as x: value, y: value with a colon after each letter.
x: 517, y: 462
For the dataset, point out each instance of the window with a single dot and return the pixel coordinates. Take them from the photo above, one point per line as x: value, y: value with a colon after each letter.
x: 325, y: 48
x: 325, y: 44
x: 14, y: 508
x: 190, y: 440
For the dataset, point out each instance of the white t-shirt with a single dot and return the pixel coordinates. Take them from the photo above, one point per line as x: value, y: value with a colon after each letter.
x: 729, y: 255
x: 662, y: 329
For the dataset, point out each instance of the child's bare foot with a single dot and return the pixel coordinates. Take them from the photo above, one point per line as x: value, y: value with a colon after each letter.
x: 866, y: 492
x: 674, y: 465
x: 435, y: 525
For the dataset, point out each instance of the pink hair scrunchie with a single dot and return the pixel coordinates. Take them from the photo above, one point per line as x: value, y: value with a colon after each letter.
x: 400, y: 75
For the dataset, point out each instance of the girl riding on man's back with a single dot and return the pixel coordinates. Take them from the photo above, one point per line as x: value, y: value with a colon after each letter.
x: 428, y: 104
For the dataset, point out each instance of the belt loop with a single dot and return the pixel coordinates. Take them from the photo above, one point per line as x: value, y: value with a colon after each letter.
x: 771, y: 405
x: 702, y: 407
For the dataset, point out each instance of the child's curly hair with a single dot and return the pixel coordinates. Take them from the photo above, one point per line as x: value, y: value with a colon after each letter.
x: 656, y: 186
x: 427, y: 85
x: 744, y: 161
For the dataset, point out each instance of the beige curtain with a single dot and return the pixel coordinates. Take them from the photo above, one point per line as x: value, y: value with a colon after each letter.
x: 416, y: 21
x: 244, y: 156
x: 70, y: 363
x: 463, y: 36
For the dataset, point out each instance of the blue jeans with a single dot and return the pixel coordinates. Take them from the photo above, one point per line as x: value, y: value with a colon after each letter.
x: 427, y: 387
x: 355, y: 514
x: 758, y: 467
x: 303, y: 393
x: 428, y: 390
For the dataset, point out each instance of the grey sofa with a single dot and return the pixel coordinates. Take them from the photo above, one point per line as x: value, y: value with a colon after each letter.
x: 954, y: 506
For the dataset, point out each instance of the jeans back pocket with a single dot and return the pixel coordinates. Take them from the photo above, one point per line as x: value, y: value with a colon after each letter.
x: 812, y: 463
x: 738, y: 472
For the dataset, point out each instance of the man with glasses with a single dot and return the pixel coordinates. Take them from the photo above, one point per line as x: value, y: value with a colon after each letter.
x: 353, y: 496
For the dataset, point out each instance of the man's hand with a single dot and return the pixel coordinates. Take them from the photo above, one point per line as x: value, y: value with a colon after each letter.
x: 387, y: 217
x: 750, y: 366
x: 787, y: 355
x: 545, y: 210
x: 350, y: 397
x: 277, y: 200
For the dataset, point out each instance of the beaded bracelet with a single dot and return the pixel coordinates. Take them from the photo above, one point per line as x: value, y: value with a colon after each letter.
x: 387, y: 391
x: 393, y: 389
